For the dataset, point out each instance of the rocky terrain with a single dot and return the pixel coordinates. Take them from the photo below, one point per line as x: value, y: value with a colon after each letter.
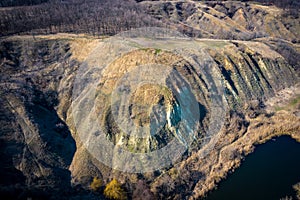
x: 43, y: 154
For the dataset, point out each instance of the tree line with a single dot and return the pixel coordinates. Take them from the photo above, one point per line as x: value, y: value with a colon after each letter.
x: 97, y: 17
x: 7, y: 3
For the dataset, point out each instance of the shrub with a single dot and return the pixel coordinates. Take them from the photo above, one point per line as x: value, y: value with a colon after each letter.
x: 96, y: 184
x: 297, y: 189
x: 113, y: 190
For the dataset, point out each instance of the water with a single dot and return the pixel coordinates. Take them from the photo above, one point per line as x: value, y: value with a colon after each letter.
x: 266, y: 174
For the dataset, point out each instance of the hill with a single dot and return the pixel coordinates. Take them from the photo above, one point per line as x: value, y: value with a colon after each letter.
x: 40, y: 136
x: 165, y: 111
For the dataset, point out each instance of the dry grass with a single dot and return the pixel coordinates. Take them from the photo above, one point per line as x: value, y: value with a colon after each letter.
x: 287, y: 99
x: 262, y: 49
x: 82, y: 47
x: 260, y: 130
x: 81, y: 44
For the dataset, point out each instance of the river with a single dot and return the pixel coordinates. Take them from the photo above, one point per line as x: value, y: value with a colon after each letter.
x: 266, y: 174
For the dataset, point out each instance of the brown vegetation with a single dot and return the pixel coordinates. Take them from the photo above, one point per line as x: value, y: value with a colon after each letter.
x: 94, y: 17
x: 297, y: 189
x: 212, y: 19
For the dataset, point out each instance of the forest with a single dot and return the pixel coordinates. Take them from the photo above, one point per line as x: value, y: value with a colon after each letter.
x: 7, y: 3
x: 102, y: 17
x: 95, y: 17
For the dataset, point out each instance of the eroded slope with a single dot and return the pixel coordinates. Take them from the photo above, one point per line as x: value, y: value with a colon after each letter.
x: 37, y: 77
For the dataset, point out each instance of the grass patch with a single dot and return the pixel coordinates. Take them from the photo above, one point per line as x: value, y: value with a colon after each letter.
x: 295, y: 101
x: 292, y: 104
x: 157, y: 51
x: 214, y: 44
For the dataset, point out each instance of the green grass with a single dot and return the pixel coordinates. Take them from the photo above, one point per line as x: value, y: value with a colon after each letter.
x: 293, y: 103
x: 214, y: 44
x: 157, y: 51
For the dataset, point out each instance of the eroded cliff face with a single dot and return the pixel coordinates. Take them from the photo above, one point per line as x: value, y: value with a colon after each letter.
x: 40, y: 146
